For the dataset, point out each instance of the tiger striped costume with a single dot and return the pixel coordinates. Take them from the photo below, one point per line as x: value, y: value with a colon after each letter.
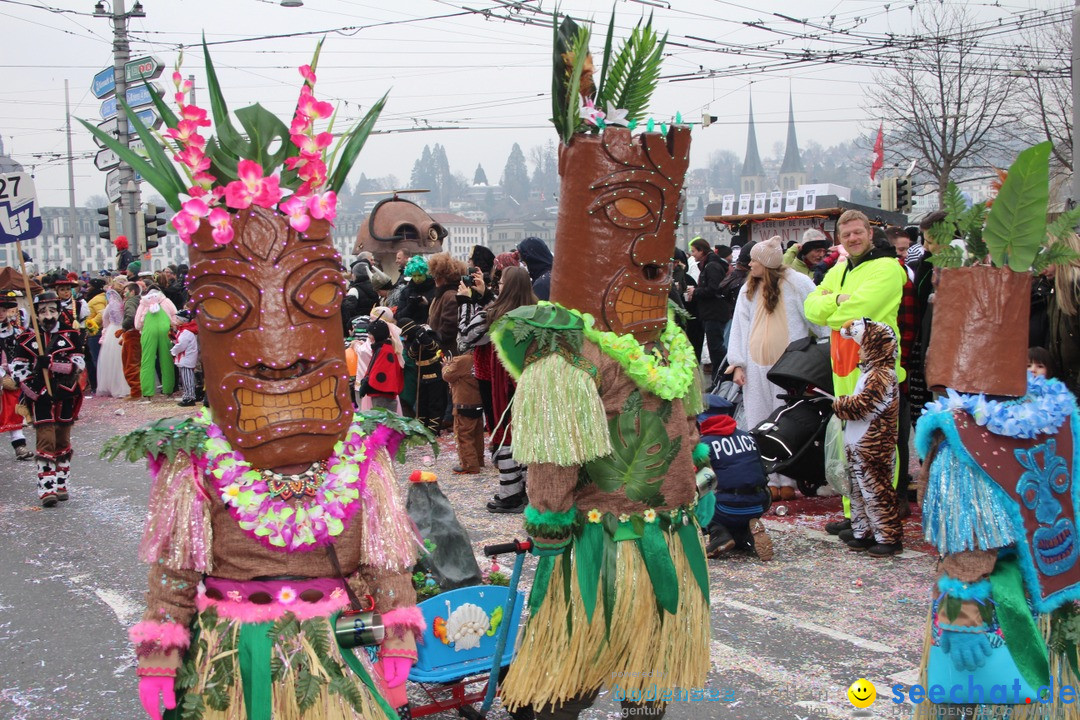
x: 870, y: 432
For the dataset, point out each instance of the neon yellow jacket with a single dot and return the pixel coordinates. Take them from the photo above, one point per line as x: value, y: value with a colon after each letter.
x: 875, y: 285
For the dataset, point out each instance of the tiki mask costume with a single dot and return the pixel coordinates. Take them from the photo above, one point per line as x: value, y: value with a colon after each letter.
x: 607, y: 380
x: 47, y: 369
x: 268, y: 509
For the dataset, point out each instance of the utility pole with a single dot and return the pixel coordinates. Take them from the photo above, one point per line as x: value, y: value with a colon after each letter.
x: 191, y: 93
x: 129, y: 189
x: 72, y: 228
x: 1075, y: 108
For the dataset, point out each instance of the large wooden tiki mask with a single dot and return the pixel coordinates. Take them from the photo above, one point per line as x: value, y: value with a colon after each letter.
x: 618, y: 209
x: 269, y: 316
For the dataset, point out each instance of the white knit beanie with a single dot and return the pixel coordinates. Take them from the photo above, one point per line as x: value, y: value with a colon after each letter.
x: 768, y: 253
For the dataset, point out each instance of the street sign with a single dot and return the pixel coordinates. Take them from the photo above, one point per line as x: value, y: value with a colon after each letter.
x: 104, y: 83
x: 144, y: 68
x: 147, y: 67
x: 107, y: 159
x: 137, y: 97
x: 149, y: 118
x: 112, y: 184
x: 20, y: 218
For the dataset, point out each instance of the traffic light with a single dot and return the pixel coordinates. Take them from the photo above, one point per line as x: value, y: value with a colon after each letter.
x: 109, y: 222
x: 150, y: 225
x: 904, y: 201
x: 889, y: 188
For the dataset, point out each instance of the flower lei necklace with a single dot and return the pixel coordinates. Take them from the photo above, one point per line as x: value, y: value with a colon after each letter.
x: 1042, y: 411
x: 315, y: 520
x: 668, y: 378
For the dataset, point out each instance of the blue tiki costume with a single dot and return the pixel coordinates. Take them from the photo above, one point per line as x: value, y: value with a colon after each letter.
x: 1000, y: 505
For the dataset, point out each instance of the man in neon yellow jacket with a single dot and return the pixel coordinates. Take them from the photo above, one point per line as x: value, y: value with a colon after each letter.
x: 867, y: 284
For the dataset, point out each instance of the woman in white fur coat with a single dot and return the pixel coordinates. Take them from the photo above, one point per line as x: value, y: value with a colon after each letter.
x: 768, y: 317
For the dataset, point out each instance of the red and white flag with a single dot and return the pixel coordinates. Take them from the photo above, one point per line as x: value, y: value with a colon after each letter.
x: 879, y: 153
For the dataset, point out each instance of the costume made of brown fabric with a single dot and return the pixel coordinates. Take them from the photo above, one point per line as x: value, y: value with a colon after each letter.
x: 644, y: 648
x: 238, y: 556
x: 131, y: 356
x: 468, y: 411
x: 554, y: 487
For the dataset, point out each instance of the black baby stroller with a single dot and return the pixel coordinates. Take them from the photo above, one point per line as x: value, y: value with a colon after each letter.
x: 792, y: 439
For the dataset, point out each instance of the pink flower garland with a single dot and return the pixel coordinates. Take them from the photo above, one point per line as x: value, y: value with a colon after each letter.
x: 252, y: 187
x: 312, y: 523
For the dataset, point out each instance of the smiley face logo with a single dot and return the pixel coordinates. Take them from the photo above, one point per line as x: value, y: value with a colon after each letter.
x: 862, y: 693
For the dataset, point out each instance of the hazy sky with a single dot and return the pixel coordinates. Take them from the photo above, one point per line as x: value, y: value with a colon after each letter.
x: 487, y: 78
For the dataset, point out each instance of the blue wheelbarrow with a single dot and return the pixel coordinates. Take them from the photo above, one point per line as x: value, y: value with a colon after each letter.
x: 465, y: 642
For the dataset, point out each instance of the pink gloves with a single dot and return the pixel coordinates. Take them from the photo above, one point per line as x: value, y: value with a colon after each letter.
x: 394, y: 671
x: 153, y: 689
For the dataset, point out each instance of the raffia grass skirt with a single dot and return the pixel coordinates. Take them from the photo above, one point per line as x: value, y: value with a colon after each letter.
x: 222, y: 662
x: 1060, y: 674
x: 645, y: 650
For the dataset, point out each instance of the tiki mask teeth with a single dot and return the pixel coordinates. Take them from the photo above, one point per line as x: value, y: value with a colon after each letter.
x: 633, y: 306
x: 259, y: 410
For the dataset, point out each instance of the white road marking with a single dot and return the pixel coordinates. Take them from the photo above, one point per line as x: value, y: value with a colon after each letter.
x: 775, y: 526
x: 812, y: 627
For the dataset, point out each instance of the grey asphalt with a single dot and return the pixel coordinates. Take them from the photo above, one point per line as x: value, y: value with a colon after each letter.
x: 788, y: 636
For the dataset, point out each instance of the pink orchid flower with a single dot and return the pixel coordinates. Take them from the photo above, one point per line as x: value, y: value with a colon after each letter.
x: 296, y: 209
x: 241, y: 193
x: 313, y: 171
x: 190, y: 216
x: 186, y: 132
x: 313, y: 108
x: 194, y: 114
x: 307, y: 73
x: 269, y: 193
x: 312, y: 145
x: 300, y: 125
x: 221, y: 222
x: 193, y: 157
x: 323, y: 206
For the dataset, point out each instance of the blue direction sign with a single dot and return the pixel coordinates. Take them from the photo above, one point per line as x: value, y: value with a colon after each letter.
x: 136, y: 97
x: 147, y: 67
x: 104, y: 83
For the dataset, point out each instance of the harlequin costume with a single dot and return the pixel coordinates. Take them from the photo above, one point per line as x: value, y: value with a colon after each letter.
x: 248, y: 499
x: 48, y: 376
x: 10, y: 420
x: 604, y: 416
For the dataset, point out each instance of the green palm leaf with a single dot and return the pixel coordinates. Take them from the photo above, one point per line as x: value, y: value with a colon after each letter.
x: 159, y: 178
x: 635, y: 72
x: 228, y: 137
x: 1016, y: 226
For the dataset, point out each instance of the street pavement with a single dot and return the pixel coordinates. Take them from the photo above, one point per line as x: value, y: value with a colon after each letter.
x: 787, y: 639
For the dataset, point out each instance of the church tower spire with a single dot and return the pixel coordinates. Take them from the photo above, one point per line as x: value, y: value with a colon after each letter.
x: 752, y: 179
x: 792, y: 172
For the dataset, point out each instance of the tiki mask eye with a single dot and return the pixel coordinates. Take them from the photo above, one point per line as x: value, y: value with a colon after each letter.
x: 629, y: 208
x: 321, y: 293
x: 221, y: 308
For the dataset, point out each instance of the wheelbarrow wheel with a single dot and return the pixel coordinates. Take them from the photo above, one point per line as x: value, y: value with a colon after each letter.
x: 470, y: 713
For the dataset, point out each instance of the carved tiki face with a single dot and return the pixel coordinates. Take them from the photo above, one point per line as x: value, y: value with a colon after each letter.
x: 269, y: 315
x: 618, y: 207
